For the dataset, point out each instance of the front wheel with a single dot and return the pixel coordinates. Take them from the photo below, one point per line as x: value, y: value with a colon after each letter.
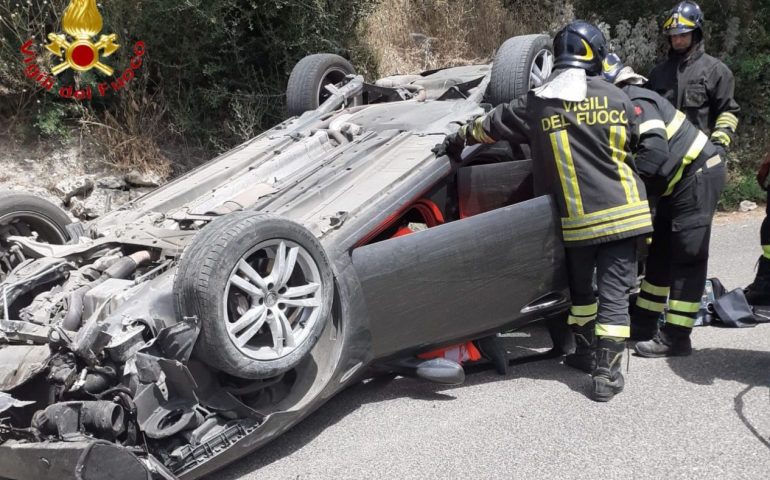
x: 262, y: 288
x: 308, y: 80
x: 520, y: 64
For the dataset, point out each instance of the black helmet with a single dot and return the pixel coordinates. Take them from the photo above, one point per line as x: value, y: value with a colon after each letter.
x: 581, y: 45
x: 685, y: 17
x: 611, y: 67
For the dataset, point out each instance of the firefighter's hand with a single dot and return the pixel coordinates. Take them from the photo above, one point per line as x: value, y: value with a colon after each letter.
x: 452, y: 147
x: 721, y: 150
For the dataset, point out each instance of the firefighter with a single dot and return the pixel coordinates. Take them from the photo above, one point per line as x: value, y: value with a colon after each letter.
x: 684, y: 176
x: 579, y: 130
x: 696, y: 83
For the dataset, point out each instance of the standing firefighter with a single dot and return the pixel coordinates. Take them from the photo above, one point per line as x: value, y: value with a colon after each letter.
x: 694, y: 82
x: 758, y: 293
x: 578, y: 127
x: 684, y: 176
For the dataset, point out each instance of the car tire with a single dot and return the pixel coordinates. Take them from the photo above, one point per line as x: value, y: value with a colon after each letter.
x: 520, y: 64
x: 310, y: 75
x: 24, y: 213
x: 205, y: 286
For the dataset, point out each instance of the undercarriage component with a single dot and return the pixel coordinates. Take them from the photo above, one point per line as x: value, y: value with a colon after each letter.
x: 215, y: 438
x: 101, y: 418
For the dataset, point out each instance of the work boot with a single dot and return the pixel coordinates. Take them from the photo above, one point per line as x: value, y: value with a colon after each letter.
x: 758, y: 293
x: 493, y: 350
x: 585, y: 343
x: 671, y: 341
x: 606, y: 379
x: 644, y: 324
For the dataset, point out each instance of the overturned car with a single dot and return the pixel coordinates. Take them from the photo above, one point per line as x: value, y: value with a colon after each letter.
x: 194, y: 325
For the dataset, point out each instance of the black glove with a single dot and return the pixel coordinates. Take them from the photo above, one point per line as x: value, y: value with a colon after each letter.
x: 721, y: 150
x: 453, y: 146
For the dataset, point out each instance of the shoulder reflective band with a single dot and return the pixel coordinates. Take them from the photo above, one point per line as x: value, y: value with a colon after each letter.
x: 619, y: 154
x: 692, y: 154
x: 618, y: 331
x: 680, y: 320
x: 569, y: 182
x: 675, y: 124
x: 655, y: 124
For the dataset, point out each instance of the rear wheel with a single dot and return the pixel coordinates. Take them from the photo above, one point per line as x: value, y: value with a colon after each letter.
x: 520, y: 64
x: 262, y: 287
x: 308, y: 80
x: 23, y: 214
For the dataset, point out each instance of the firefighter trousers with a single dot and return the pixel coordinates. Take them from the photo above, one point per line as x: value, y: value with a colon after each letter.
x: 764, y: 231
x: 678, y: 257
x: 615, y: 264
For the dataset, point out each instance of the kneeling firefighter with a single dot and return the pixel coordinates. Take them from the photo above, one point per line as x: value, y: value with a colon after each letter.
x: 684, y: 175
x: 578, y: 127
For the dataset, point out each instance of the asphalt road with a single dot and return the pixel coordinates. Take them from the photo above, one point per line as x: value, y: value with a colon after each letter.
x: 704, y: 416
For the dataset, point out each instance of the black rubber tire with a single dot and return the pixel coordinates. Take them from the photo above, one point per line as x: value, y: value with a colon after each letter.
x: 511, y: 66
x: 49, y: 220
x: 203, y: 273
x: 308, y: 78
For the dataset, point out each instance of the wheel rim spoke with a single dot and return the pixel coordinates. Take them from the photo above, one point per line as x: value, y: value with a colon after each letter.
x: 288, y: 332
x: 276, y: 330
x: 279, y: 263
x: 259, y: 314
x: 288, y: 268
x: 252, y: 275
x: 246, y: 286
x: 294, y: 292
x: 301, y: 302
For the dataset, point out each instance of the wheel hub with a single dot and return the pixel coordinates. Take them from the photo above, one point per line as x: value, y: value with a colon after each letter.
x: 271, y: 299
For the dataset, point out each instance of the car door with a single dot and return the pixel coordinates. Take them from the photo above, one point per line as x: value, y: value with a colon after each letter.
x: 464, y: 278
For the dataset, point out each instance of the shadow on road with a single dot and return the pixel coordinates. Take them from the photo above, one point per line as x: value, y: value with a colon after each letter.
x: 748, y: 367
x: 385, y: 388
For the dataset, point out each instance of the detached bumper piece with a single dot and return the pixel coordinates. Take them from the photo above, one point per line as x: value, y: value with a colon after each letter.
x: 80, y: 460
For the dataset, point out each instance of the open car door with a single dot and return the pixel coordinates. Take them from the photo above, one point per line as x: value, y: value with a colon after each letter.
x: 463, y: 279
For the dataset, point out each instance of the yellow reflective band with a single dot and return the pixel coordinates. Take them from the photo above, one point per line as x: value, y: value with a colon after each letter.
x: 680, y: 320
x: 766, y: 251
x: 604, y: 230
x: 682, y: 306
x: 479, y: 133
x: 692, y: 154
x: 605, y: 215
x: 569, y: 182
x: 721, y: 137
x: 618, y: 331
x: 649, y: 305
x: 655, y: 124
x: 589, y: 52
x: 675, y: 124
x: 584, y: 310
x: 617, y: 146
x: 727, y: 124
x: 685, y: 21
x: 654, y: 289
x: 573, y: 320
x: 728, y: 117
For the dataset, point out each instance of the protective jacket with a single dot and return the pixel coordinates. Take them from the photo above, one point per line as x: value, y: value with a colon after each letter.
x: 583, y: 151
x: 670, y: 146
x: 703, y: 88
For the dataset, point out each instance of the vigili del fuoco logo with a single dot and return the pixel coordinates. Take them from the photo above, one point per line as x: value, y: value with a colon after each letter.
x: 79, y: 51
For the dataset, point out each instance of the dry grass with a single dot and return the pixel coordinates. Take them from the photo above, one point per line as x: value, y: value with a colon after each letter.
x: 409, y: 36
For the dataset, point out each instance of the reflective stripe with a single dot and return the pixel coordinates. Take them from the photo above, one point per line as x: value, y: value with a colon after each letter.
x: 650, y: 305
x: 573, y: 320
x: 479, y: 133
x: 680, y: 320
x: 675, y: 124
x: 682, y: 306
x: 654, y: 289
x: 726, y: 125
x: 583, y: 310
x: 619, y: 331
x: 619, y: 154
x: 569, y: 183
x: 727, y: 118
x: 766, y: 251
x: 692, y: 154
x: 721, y: 137
x: 606, y: 215
x: 636, y: 222
x: 652, y: 125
